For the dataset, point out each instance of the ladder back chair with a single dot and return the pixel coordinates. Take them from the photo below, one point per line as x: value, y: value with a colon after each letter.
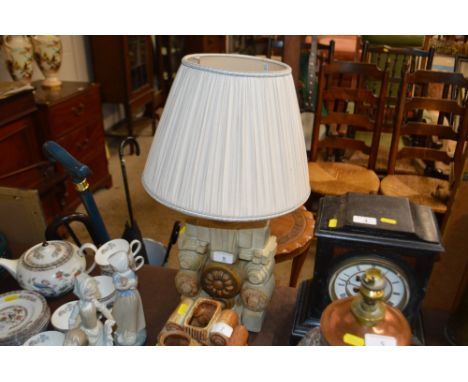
x: 313, y: 56
x: 396, y: 61
x: 344, y: 101
x: 449, y: 124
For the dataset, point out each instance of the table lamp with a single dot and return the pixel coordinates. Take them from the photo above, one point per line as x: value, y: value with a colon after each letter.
x: 229, y: 152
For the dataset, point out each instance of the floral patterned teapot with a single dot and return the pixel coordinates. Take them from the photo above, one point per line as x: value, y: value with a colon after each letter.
x: 48, y: 268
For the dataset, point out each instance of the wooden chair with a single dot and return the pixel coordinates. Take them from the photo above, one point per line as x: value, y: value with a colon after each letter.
x: 313, y: 56
x: 453, y: 128
x: 343, y: 86
x: 397, y: 61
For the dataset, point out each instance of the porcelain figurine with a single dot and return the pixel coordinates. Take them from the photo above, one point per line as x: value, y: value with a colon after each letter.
x: 75, y: 337
x: 128, y: 308
x: 19, y: 57
x: 87, y: 309
x: 48, y: 54
x: 48, y: 268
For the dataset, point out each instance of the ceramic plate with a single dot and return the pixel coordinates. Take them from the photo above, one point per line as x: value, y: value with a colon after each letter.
x: 61, y: 316
x: 22, y: 314
x: 50, y: 338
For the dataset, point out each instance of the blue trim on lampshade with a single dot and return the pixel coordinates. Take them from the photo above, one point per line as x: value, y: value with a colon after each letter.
x: 277, y: 73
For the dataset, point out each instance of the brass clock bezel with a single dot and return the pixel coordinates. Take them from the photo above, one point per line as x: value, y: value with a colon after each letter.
x: 371, y: 259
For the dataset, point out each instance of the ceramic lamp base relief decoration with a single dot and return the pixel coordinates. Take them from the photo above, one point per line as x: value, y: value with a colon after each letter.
x: 230, y: 262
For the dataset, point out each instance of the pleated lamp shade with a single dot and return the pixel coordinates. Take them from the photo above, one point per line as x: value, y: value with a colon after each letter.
x: 230, y: 145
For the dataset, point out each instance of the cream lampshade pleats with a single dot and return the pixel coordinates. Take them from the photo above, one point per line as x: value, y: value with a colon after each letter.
x: 229, y: 145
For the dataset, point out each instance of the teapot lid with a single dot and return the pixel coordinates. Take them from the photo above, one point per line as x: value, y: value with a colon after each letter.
x: 48, y: 255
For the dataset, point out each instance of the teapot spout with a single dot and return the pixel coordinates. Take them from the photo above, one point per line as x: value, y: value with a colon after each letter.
x: 10, y: 265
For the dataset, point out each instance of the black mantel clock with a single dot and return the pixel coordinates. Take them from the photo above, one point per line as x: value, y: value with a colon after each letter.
x: 358, y: 231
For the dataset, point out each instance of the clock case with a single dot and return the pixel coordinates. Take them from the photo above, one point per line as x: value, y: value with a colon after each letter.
x: 357, y: 224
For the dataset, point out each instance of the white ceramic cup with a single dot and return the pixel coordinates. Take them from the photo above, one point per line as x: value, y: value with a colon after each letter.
x: 106, y: 290
x: 102, y: 254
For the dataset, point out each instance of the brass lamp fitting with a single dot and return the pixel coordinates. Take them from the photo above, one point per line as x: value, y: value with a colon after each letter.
x: 368, y: 307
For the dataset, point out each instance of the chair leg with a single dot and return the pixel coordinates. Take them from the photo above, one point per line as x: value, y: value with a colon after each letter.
x: 296, y: 268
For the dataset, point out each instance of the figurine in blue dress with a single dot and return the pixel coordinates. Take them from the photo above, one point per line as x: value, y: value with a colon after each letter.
x: 128, y: 308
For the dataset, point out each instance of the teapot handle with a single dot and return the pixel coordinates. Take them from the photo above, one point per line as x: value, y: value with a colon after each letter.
x: 83, y: 254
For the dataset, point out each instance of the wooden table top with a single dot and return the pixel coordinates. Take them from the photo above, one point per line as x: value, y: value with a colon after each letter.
x: 294, y: 232
x: 160, y: 297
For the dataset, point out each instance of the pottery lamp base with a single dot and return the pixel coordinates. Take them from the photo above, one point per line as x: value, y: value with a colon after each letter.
x: 230, y: 262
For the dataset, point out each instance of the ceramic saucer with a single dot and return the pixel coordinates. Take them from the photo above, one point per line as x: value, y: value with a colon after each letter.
x: 61, y: 316
x: 50, y: 338
x: 22, y: 314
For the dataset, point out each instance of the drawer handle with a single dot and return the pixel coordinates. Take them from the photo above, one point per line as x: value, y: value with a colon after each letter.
x: 83, y: 145
x: 78, y: 110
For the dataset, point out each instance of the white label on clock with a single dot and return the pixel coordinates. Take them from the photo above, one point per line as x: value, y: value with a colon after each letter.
x: 378, y: 340
x: 223, y: 257
x: 364, y: 220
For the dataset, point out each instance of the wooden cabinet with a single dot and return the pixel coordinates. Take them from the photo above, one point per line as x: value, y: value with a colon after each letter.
x: 123, y: 65
x: 205, y: 44
x: 22, y: 164
x: 171, y: 49
x: 169, y: 53
x: 71, y: 116
x: 18, y: 130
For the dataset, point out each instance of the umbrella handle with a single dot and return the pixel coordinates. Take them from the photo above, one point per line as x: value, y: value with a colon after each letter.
x: 129, y: 141
x: 78, y: 173
x: 56, y: 153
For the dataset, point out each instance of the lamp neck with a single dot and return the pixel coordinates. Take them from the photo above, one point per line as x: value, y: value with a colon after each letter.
x: 227, y: 225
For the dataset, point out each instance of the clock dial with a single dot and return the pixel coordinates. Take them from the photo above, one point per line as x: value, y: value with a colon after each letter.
x: 345, y: 280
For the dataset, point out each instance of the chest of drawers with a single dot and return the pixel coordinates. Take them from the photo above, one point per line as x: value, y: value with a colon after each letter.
x: 71, y: 116
x: 22, y: 164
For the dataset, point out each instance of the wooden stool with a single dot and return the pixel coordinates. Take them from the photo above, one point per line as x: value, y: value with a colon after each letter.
x: 294, y: 233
